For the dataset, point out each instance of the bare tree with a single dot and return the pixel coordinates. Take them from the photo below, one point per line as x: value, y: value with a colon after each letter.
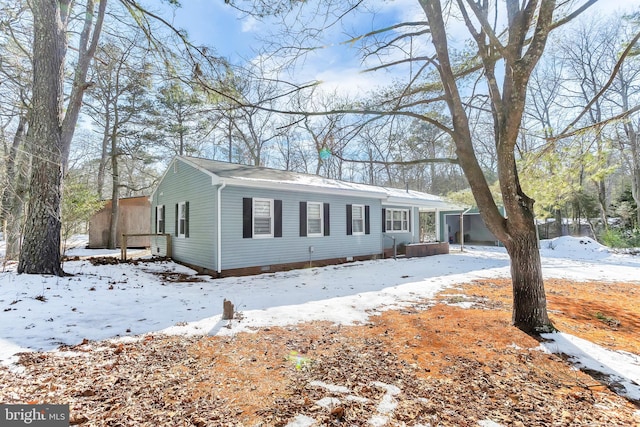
x: 119, y: 100
x: 541, y: 122
x: 15, y: 87
x: 590, y: 57
x: 626, y: 95
x: 489, y: 77
x: 517, y: 48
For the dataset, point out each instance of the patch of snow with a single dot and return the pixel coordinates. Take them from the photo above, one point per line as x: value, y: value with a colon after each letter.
x: 301, y: 421
x: 330, y: 387
x: 464, y: 304
x: 378, y: 420
x: 127, y: 301
x: 328, y: 402
x: 389, y: 388
x: 576, y: 246
x: 358, y: 399
x: 622, y: 367
x: 489, y: 423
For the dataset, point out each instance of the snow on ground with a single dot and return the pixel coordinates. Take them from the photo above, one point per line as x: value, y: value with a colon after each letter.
x: 125, y: 300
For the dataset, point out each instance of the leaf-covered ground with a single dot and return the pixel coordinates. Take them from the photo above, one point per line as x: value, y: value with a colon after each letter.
x: 436, y: 364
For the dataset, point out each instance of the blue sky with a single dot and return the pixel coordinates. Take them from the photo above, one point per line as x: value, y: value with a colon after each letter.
x: 233, y: 36
x: 214, y: 23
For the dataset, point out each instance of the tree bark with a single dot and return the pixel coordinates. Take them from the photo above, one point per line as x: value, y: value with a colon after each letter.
x: 40, y: 252
x: 104, y: 157
x: 558, y: 221
x: 50, y: 131
x: 529, y: 300
x: 517, y: 232
x: 115, y: 190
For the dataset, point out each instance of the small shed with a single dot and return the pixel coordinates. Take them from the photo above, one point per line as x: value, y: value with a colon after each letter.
x: 134, y: 218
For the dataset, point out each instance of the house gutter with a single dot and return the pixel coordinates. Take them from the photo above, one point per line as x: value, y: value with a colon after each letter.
x: 219, y: 226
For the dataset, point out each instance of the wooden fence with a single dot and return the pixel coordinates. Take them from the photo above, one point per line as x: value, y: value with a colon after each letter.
x: 123, y: 245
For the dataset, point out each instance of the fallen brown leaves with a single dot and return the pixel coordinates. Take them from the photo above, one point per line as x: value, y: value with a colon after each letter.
x: 443, y: 365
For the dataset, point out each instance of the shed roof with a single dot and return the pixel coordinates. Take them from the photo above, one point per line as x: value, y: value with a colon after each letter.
x: 257, y: 176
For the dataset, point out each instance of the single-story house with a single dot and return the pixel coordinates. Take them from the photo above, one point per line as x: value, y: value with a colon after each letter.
x: 133, y: 218
x: 228, y: 219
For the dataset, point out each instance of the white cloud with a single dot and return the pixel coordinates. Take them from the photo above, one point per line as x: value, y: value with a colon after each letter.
x: 249, y: 24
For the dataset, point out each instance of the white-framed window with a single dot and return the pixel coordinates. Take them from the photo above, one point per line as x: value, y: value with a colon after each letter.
x: 357, y: 219
x: 262, y: 218
x: 182, y: 219
x: 314, y: 219
x: 397, y: 220
x: 160, y: 219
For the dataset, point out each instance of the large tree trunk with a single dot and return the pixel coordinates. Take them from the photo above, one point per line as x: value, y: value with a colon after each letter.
x: 635, y: 184
x: 517, y: 231
x: 40, y: 252
x: 49, y: 135
x: 529, y: 300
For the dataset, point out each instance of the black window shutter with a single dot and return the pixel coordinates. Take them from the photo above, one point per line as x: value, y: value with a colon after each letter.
x: 327, y: 228
x: 163, y: 228
x: 349, y: 223
x: 277, y: 221
x: 367, y: 226
x: 303, y: 219
x: 409, y: 218
x: 247, y: 217
x: 384, y: 220
x: 186, y: 219
x: 156, y: 225
x: 177, y: 213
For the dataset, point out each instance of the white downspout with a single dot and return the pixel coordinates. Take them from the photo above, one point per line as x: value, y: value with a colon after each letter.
x: 219, y: 227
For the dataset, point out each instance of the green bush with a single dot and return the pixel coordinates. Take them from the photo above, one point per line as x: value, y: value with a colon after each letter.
x: 617, y: 238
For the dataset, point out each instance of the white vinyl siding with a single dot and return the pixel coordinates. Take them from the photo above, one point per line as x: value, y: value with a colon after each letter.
x: 262, y: 218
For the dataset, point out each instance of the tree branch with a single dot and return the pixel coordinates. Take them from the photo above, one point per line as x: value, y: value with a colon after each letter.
x: 566, y: 134
x: 400, y: 162
x: 609, y: 82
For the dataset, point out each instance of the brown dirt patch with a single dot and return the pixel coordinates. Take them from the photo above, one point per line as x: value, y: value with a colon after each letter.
x: 450, y: 366
x: 607, y: 314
